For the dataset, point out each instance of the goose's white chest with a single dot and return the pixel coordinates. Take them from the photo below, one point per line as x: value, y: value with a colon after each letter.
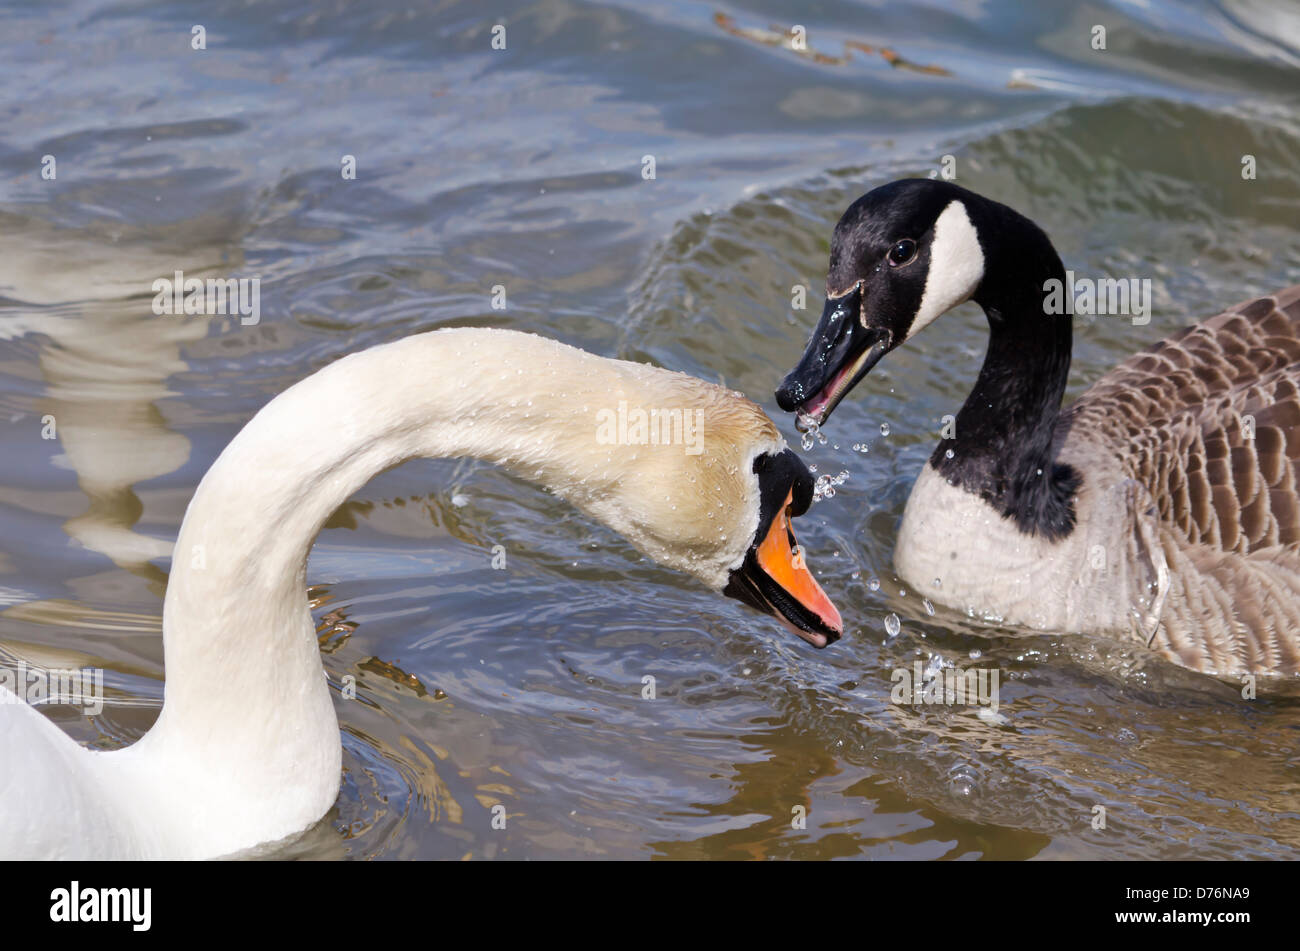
x: 958, y: 550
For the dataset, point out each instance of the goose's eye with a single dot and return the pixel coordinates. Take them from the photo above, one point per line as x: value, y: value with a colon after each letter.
x: 902, y: 252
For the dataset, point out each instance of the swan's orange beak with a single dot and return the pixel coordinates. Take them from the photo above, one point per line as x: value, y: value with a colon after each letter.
x: 781, y: 559
x: 773, y: 578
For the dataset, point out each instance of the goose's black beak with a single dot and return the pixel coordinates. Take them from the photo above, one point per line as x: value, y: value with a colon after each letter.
x: 774, y: 578
x: 841, y: 352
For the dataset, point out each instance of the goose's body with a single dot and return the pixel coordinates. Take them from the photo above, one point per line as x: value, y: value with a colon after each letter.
x: 1180, y: 515
x: 1161, y: 506
x: 246, y: 749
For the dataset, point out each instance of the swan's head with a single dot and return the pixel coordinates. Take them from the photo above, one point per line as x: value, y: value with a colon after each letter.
x: 773, y: 577
x: 901, y: 255
x: 716, y: 504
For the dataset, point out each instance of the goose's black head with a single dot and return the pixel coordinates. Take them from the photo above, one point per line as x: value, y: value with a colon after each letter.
x: 901, y: 255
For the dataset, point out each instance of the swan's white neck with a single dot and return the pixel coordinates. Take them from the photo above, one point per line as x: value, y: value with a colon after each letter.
x: 246, y: 748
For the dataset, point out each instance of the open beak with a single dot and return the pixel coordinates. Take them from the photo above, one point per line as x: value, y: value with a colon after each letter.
x: 775, y: 579
x: 841, y: 352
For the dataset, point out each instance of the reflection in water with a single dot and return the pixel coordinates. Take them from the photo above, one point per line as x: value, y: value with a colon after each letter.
x: 103, y: 366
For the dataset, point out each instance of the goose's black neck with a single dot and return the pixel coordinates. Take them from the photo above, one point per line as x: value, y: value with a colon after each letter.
x: 1004, y: 446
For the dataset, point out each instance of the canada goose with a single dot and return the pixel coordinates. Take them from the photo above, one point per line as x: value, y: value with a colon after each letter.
x: 246, y: 749
x: 1160, y: 506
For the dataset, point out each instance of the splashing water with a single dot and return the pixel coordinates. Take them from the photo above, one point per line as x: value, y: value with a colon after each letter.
x: 963, y: 781
x: 934, y: 667
x: 824, y: 487
x: 812, y: 432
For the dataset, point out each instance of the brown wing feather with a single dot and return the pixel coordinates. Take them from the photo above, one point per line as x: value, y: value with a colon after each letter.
x: 1209, y: 421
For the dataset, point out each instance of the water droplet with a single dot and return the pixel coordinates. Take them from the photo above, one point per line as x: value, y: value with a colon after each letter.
x: 935, y: 667
x: 812, y: 432
x: 976, y: 653
x: 963, y: 781
x: 824, y: 487
x: 874, y: 584
x: 929, y: 608
x: 949, y: 454
x: 938, y: 583
x: 884, y: 429
x: 892, y: 624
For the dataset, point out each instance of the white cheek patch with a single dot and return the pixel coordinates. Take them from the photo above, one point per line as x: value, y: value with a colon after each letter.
x: 956, y: 266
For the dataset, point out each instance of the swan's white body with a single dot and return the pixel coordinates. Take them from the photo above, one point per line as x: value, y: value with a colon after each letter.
x: 246, y: 749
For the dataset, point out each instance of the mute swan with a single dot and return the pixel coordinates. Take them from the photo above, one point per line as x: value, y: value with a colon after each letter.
x: 246, y: 748
x: 1161, y: 506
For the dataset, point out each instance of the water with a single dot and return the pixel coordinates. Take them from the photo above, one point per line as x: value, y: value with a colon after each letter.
x: 826, y: 485
x: 524, y: 169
